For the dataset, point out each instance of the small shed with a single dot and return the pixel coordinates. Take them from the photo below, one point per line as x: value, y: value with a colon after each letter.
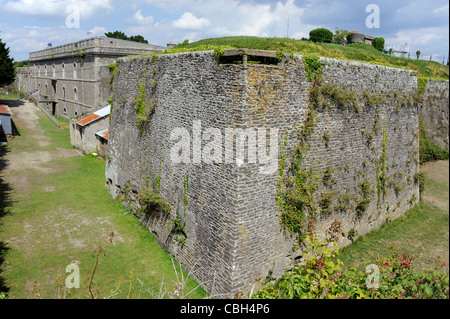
x: 6, y: 124
x: 102, y: 141
x: 83, y: 130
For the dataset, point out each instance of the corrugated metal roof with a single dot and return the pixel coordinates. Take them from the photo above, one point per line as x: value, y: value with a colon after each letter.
x: 94, y: 116
x: 87, y: 119
x: 4, y: 109
x: 103, y: 133
x: 103, y: 111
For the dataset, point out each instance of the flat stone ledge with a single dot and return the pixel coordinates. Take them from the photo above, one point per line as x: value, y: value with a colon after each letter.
x: 249, y: 52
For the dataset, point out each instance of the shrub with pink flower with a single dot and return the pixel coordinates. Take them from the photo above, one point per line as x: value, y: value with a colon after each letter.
x: 404, y: 263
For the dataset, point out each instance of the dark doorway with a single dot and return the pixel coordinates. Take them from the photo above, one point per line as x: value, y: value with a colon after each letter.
x: 53, y: 108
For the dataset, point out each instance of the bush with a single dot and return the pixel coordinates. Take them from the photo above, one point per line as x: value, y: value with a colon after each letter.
x: 321, y: 35
x: 429, y: 151
x: 322, y: 276
x: 378, y: 43
x: 340, y: 36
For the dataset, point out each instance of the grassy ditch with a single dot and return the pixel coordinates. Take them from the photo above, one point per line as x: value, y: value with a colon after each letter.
x: 60, y: 213
x: 422, y: 232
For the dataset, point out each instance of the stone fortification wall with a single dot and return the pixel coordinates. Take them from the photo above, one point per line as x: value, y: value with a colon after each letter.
x: 170, y: 132
x: 433, y: 111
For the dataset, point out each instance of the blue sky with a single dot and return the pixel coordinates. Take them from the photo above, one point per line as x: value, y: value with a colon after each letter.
x: 28, y: 25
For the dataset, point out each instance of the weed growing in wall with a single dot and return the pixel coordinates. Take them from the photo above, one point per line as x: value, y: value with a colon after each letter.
x: 313, y: 67
x: 363, y: 203
x: 150, y: 200
x: 143, y: 108
x: 421, y: 87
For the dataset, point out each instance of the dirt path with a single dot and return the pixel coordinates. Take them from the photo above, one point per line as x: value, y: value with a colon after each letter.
x: 26, y: 116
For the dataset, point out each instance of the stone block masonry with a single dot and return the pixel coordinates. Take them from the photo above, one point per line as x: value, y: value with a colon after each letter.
x: 434, y: 111
x: 224, y: 223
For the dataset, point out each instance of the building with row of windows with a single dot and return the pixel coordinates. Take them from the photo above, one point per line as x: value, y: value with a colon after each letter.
x: 74, y: 79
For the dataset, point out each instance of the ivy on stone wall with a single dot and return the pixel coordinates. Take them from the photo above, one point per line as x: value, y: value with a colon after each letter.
x: 296, y: 191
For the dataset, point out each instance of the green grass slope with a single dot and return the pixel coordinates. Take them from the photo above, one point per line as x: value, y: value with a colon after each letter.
x: 357, y: 51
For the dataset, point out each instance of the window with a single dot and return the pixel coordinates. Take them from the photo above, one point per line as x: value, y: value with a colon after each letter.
x: 54, y: 71
x: 75, y: 93
x: 74, y: 69
x: 64, y: 92
x: 62, y: 66
x: 45, y: 66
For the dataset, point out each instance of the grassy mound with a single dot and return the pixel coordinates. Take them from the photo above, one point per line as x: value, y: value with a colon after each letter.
x: 356, y: 51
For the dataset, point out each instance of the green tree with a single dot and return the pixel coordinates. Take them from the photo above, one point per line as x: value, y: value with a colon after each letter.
x: 340, y: 36
x: 20, y: 64
x: 123, y: 36
x: 7, y: 72
x: 138, y: 38
x: 321, y: 35
x: 117, y: 35
x: 378, y: 43
x: 418, y: 54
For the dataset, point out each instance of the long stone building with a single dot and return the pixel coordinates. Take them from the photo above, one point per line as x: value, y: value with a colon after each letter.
x: 73, y: 79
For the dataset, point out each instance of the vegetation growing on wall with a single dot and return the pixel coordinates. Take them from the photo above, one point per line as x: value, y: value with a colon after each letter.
x: 177, y: 222
x: 381, y: 170
x: 296, y: 198
x: 150, y: 200
x: 144, y: 108
x: 429, y: 151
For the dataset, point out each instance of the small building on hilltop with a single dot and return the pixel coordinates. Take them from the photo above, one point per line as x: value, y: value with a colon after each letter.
x: 359, y: 37
x: 84, y: 131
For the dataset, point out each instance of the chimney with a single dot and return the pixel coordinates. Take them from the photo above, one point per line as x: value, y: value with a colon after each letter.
x: 170, y: 45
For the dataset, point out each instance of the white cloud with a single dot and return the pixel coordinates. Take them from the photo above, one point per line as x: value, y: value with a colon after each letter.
x: 430, y: 41
x: 441, y: 9
x: 36, y: 7
x: 250, y: 18
x: 140, y: 19
x: 189, y: 21
x: 97, y: 31
x: 87, y: 8
x: 422, y: 36
x: 203, y: 19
